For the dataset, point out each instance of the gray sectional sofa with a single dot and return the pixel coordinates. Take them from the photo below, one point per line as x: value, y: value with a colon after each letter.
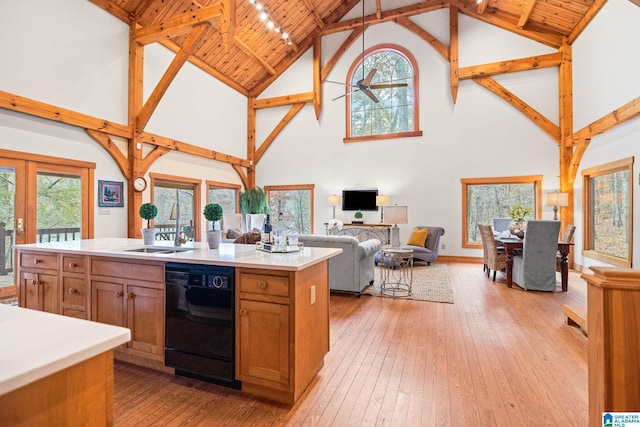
x: 352, y: 270
x: 429, y: 251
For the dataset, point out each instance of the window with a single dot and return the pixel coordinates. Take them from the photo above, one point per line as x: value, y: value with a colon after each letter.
x: 226, y: 195
x: 165, y: 191
x: 296, y: 204
x: 608, y: 212
x: 486, y: 198
x: 396, y: 113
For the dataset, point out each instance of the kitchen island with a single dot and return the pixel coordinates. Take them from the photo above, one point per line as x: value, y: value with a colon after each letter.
x: 281, y: 302
x: 56, y: 368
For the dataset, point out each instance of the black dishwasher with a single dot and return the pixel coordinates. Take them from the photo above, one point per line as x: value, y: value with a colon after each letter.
x: 200, y: 322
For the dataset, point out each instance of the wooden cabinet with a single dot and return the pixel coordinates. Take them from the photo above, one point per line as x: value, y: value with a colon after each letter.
x: 131, y: 294
x: 282, y: 330
x: 75, y: 286
x: 263, y: 338
x: 39, y: 284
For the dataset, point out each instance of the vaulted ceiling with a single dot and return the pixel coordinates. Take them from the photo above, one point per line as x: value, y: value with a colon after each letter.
x: 227, y: 38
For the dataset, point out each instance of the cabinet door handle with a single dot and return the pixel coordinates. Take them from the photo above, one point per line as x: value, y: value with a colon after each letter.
x: 119, y: 294
x: 72, y: 291
x: 131, y: 295
x: 34, y: 282
x: 262, y: 284
x: 243, y: 312
x: 72, y: 264
x: 36, y: 260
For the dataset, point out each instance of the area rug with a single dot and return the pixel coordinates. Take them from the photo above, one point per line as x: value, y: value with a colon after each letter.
x: 9, y: 300
x: 430, y: 283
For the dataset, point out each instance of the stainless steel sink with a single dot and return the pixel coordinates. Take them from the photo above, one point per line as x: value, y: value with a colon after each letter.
x: 158, y: 250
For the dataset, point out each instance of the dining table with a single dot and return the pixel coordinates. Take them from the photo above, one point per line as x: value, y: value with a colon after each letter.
x: 512, y: 245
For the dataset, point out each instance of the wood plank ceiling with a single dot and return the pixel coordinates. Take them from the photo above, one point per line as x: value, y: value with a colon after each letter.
x: 247, y: 56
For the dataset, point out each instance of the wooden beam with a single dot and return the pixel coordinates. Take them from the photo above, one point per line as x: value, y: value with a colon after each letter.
x: 295, y: 109
x: 636, y: 2
x: 178, y: 25
x: 21, y: 104
x: 176, y: 64
x: 623, y: 114
x: 243, y: 176
x: 542, y: 122
x: 207, y: 68
x: 183, y: 147
x: 511, y: 66
x: 250, y: 53
x: 506, y: 21
x: 340, y: 51
x: 586, y: 19
x: 154, y: 155
x: 526, y: 13
x: 114, y: 151
x: 279, y: 101
x: 314, y: 11
x: 317, y: 83
x: 565, y: 146
x: 482, y: 6
x: 227, y: 23
x: 251, y: 143
x: 389, y: 15
x: 378, y: 9
x: 453, y: 52
x: 440, y: 47
x: 141, y: 8
x: 134, y: 149
x: 114, y: 10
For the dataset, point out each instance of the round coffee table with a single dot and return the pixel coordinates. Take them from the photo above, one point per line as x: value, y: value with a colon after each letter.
x: 396, y: 274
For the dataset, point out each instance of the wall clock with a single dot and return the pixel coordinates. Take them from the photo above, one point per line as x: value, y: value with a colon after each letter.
x: 139, y: 184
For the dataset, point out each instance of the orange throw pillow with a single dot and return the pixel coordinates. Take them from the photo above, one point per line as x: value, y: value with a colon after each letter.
x: 418, y: 236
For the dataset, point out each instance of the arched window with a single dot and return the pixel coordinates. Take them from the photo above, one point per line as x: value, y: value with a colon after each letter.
x: 396, y: 113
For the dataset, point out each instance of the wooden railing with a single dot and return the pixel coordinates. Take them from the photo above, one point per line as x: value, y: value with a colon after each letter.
x: 42, y: 235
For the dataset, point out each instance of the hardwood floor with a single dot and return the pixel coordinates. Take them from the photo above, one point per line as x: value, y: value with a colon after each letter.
x: 496, y: 357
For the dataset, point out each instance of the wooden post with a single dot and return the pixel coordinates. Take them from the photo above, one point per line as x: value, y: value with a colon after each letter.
x: 613, y: 297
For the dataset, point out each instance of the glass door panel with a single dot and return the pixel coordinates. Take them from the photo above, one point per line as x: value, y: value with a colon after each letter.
x: 12, y: 221
x: 59, y: 207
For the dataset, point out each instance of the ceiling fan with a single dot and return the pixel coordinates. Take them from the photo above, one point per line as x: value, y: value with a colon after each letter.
x: 364, y: 84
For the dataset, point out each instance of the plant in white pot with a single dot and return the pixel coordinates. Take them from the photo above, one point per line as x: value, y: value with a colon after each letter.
x: 213, y: 213
x: 148, y: 211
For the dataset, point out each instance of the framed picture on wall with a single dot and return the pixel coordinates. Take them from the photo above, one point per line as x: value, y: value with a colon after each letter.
x: 110, y: 194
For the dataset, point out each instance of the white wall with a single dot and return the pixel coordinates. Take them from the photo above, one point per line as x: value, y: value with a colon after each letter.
x: 480, y: 136
x: 606, y: 61
x: 74, y: 55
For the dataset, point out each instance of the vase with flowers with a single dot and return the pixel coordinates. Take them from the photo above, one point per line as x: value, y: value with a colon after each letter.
x: 519, y: 214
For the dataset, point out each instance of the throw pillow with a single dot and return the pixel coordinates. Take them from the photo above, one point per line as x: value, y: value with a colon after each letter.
x: 248, y: 238
x: 418, y: 236
x: 233, y: 233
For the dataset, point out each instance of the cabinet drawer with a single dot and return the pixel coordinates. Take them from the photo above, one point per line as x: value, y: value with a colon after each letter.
x: 73, y: 264
x: 125, y: 270
x: 264, y: 284
x: 73, y: 291
x: 78, y: 314
x: 38, y: 260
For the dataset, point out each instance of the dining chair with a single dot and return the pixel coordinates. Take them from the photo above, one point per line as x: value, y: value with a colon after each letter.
x: 535, y: 268
x: 567, y: 236
x: 495, y: 257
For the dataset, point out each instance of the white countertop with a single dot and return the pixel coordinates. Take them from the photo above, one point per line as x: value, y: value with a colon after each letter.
x: 228, y: 254
x: 36, y: 344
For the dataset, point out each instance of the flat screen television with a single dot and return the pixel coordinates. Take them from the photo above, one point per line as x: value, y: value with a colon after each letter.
x: 359, y: 200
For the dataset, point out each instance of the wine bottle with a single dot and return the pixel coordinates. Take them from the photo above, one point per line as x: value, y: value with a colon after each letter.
x: 266, y: 232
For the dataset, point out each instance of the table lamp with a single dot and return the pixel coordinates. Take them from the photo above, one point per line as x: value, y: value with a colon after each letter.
x: 556, y: 200
x: 334, y: 201
x: 382, y: 201
x: 396, y: 215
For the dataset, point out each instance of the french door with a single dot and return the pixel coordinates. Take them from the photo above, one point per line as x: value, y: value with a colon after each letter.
x: 42, y: 199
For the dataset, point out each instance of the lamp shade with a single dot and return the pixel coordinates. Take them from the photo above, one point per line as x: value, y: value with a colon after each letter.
x: 397, y: 214
x: 334, y: 200
x: 382, y: 200
x: 558, y: 199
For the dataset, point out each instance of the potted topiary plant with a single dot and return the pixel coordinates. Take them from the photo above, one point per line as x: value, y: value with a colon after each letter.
x: 213, y: 213
x: 519, y: 214
x: 358, y: 215
x: 148, y: 211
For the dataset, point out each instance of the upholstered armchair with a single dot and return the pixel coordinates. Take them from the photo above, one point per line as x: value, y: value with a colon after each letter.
x: 352, y: 270
x: 232, y: 226
x: 535, y: 268
x: 495, y: 257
